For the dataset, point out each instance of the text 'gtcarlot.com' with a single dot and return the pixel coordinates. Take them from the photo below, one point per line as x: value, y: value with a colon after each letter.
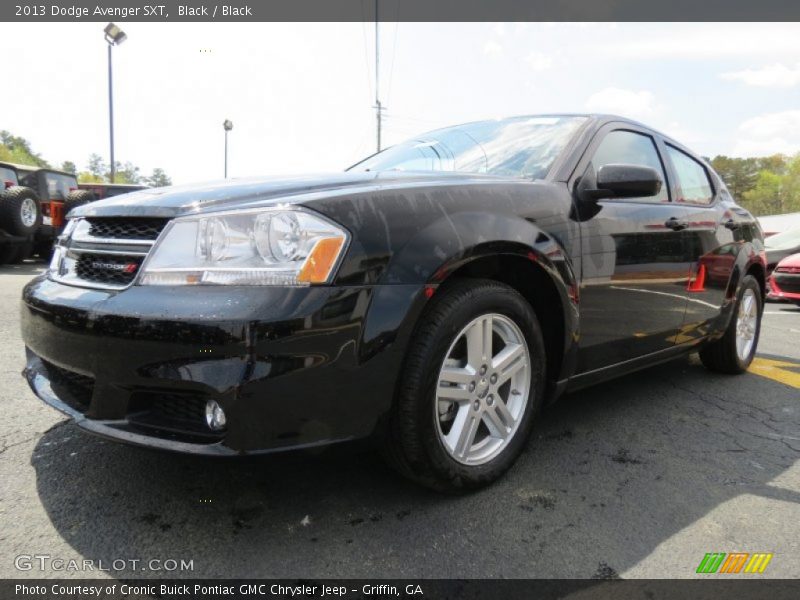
x: 46, y: 562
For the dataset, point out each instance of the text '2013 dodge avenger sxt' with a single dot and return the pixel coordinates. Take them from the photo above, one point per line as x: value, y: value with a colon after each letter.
x: 436, y: 295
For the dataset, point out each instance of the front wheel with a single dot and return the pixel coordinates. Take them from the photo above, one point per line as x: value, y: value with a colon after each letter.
x: 471, y: 384
x: 735, y: 350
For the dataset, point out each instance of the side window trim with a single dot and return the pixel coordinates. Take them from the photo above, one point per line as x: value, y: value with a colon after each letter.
x: 598, y: 138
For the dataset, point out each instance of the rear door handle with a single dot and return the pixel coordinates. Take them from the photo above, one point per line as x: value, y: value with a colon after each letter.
x: 676, y: 224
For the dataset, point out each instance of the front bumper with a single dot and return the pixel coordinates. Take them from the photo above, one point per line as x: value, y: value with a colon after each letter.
x: 291, y: 367
x: 784, y: 286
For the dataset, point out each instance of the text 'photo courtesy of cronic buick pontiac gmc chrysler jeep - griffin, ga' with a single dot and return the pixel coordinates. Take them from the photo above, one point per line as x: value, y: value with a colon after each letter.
x: 433, y: 296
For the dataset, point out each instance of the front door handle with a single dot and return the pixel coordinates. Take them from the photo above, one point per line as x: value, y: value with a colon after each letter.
x: 676, y: 224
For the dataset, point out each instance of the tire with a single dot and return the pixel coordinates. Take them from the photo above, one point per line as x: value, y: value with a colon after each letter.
x: 20, y: 211
x: 416, y: 442
x: 732, y: 354
x: 77, y: 198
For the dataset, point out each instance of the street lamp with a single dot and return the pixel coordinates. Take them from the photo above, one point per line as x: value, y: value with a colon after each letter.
x: 227, y: 125
x: 114, y: 37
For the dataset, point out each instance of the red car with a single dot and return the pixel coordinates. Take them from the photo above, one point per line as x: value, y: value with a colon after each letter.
x: 785, y: 280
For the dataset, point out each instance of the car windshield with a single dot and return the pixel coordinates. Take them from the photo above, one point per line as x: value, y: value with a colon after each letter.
x: 516, y: 147
x: 784, y: 240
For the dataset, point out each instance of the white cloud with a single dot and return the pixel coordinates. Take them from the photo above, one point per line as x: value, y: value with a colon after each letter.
x: 777, y: 75
x: 627, y: 103
x: 539, y: 61
x: 770, y: 133
x: 499, y: 29
x: 706, y: 41
x: 493, y: 49
x: 682, y: 134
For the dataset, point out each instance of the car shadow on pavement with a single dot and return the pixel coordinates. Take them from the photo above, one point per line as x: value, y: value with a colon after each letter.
x: 30, y: 267
x: 610, y: 473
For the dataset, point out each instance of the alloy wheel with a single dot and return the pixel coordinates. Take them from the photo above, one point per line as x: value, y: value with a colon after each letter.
x: 746, y: 324
x: 483, y: 388
x: 27, y: 212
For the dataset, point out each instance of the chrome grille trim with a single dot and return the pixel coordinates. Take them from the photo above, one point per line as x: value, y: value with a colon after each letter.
x: 67, y: 267
x: 128, y: 242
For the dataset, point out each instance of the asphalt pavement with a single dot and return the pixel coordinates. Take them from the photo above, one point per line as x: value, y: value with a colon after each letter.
x: 638, y: 477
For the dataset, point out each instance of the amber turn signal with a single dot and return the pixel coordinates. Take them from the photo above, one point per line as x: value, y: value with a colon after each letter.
x: 320, y: 262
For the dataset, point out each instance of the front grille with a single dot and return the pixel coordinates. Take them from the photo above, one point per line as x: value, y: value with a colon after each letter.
x: 72, y: 388
x: 126, y: 228
x: 106, y: 252
x: 108, y: 269
x: 788, y: 283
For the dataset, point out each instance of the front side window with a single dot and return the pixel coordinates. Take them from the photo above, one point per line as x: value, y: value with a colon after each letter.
x: 518, y: 147
x: 630, y: 148
x: 693, y: 183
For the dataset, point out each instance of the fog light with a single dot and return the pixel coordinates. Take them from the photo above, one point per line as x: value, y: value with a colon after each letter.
x: 215, y: 416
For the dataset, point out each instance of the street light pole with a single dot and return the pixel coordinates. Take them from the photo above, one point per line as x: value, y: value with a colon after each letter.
x: 227, y: 125
x: 111, y: 112
x: 114, y: 37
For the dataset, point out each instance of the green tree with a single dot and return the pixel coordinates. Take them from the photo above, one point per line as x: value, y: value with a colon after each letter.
x: 89, y: 177
x: 775, y: 191
x: 158, y: 178
x: 126, y: 173
x: 69, y: 167
x: 739, y: 174
x: 18, y: 150
x: 96, y: 166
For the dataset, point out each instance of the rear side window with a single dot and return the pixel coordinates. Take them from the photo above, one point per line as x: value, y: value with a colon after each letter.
x: 58, y: 186
x: 8, y: 175
x: 630, y: 148
x: 693, y: 183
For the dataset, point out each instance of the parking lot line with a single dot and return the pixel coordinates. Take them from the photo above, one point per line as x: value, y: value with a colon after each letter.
x: 781, y: 371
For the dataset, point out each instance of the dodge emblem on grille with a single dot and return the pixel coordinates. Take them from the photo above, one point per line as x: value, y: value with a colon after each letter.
x: 125, y: 268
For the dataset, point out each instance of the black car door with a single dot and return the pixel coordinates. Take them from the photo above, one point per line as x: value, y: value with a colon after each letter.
x: 636, y: 262
x: 713, y: 238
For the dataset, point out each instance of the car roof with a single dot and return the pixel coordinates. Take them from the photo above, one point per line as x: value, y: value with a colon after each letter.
x: 34, y: 168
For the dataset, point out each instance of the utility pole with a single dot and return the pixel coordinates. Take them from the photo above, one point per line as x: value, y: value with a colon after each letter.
x: 378, y: 108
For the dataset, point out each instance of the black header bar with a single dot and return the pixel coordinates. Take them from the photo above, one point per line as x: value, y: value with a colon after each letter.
x: 402, y: 10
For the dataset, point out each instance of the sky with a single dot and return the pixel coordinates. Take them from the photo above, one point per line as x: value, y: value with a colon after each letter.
x: 300, y: 95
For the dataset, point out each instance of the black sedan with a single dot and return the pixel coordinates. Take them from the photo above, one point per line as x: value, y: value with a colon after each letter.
x: 433, y: 296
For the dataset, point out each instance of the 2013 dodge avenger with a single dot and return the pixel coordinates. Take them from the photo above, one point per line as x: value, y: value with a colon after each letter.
x: 434, y: 295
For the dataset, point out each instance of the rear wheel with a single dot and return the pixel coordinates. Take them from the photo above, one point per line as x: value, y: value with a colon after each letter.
x: 472, y: 382
x: 734, y: 351
x: 20, y: 211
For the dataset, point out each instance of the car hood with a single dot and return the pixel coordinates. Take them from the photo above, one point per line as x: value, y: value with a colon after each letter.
x: 774, y: 256
x: 790, y: 261
x: 257, y: 192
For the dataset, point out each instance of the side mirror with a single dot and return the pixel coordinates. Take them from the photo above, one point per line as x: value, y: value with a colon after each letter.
x: 626, y: 181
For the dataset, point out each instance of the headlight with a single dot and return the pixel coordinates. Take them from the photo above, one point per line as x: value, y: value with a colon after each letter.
x: 248, y: 247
